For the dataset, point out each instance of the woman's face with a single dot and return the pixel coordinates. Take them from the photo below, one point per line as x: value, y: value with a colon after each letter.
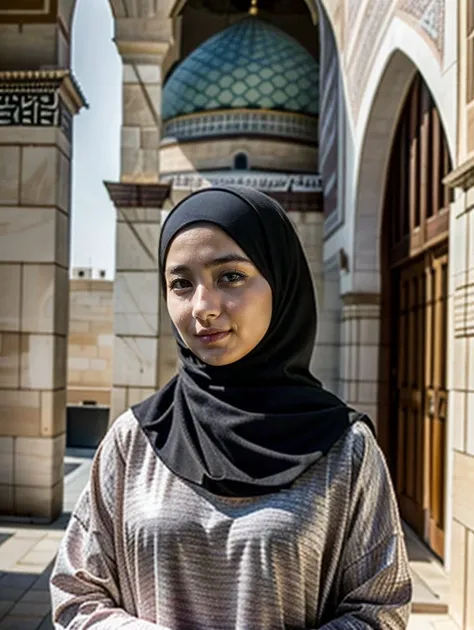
x: 219, y: 302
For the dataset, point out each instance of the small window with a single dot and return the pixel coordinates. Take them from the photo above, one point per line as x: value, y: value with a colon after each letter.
x: 241, y: 162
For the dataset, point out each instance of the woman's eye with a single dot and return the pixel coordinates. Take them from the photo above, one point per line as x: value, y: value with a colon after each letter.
x: 180, y: 284
x: 232, y: 277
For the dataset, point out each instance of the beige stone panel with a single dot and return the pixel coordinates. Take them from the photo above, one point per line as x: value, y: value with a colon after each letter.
x: 9, y: 174
x: 53, y: 413
x: 39, y: 502
x: 44, y: 299
x: 79, y: 327
x: 20, y: 412
x: 39, y: 461
x: 168, y: 360
x: 141, y: 105
x: 219, y: 154
x: 149, y: 215
x: 137, y: 395
x: 137, y: 247
x: 470, y: 424
x: 29, y: 235
x: 463, y: 480
x: 10, y: 297
x: 63, y: 182
x: 141, y: 73
x: 6, y: 499
x: 458, y: 573
x: 130, y: 137
x: 457, y: 402
x: 105, y: 352
x: 150, y: 138
x: 135, y: 362
x: 95, y: 378
x: 470, y: 581
x: 62, y: 240
x: 9, y: 360
x: 79, y: 395
x: 139, y: 165
x: 76, y: 352
x: 101, y: 327
x: 39, y: 176
x: 118, y: 402
x: 43, y: 361
x: 29, y: 136
x: 6, y: 459
x: 136, y: 303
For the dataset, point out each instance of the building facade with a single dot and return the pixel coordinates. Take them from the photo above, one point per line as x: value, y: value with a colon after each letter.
x: 368, y: 140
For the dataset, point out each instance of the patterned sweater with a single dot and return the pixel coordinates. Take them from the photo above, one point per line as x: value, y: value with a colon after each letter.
x: 146, y: 550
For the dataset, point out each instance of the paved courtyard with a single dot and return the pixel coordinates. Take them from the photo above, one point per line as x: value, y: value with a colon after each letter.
x: 27, y: 554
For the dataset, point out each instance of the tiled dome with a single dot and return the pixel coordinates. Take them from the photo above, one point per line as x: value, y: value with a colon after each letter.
x: 251, y: 64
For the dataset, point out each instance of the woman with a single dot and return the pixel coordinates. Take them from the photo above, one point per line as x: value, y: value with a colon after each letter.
x: 242, y: 495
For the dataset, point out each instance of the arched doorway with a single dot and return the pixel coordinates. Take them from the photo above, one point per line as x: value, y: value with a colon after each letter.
x: 414, y: 317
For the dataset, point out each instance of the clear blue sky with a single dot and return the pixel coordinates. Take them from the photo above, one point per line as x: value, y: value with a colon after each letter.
x: 97, y: 66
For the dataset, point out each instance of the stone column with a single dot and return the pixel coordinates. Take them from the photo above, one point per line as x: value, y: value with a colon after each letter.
x: 136, y: 293
x: 360, y: 351
x: 461, y: 396
x: 35, y: 156
x: 144, y: 45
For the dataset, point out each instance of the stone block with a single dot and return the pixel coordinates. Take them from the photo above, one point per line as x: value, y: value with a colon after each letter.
x: 457, y: 409
x: 63, y: 182
x: 53, y: 413
x: 39, y: 176
x: 10, y: 360
x: 136, y: 395
x: 9, y: 174
x: 135, y: 362
x: 39, y: 461
x: 20, y: 412
x: 470, y: 580
x: 463, y: 478
x: 31, y: 235
x: 141, y: 105
x: 6, y: 460
x: 39, y: 502
x: 458, y: 573
x: 137, y: 247
x: 10, y: 300
x: 118, y: 402
x: 136, y: 303
x: 44, y: 299
x: 43, y: 361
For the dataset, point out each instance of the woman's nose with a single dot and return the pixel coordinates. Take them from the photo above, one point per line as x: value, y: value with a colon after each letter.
x: 206, y: 303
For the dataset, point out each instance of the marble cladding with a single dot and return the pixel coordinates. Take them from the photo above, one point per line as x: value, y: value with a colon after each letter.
x: 34, y: 261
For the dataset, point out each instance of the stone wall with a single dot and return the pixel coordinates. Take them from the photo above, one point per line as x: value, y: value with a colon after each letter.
x: 90, y: 341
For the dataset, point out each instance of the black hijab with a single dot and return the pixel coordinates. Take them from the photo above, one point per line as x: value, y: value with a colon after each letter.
x: 255, y: 425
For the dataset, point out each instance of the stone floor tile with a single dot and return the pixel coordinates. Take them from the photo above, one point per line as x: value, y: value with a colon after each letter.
x: 14, y: 549
x: 30, y: 609
x: 47, y: 624
x: 36, y: 596
x: 9, y: 594
x: 17, y: 580
x: 5, y: 606
x: 20, y: 623
x: 38, y: 558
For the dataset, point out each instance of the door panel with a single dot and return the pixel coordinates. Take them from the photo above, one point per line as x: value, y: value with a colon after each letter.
x: 421, y: 330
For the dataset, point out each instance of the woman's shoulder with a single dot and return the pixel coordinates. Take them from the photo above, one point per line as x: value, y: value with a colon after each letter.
x: 124, y: 432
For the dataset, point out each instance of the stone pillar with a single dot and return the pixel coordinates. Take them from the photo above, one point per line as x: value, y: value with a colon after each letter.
x: 144, y: 44
x: 360, y: 351
x: 35, y: 156
x: 136, y: 293
x: 461, y: 396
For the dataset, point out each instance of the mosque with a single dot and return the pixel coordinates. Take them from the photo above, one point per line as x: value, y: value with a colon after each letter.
x: 356, y: 115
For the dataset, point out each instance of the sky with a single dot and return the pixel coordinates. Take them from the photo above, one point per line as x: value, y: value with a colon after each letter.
x: 96, y: 142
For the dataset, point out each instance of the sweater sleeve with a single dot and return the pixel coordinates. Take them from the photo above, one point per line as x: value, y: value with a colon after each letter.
x: 374, y: 589
x: 85, y: 586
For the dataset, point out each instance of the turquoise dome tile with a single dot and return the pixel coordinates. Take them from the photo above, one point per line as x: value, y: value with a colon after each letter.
x: 251, y: 64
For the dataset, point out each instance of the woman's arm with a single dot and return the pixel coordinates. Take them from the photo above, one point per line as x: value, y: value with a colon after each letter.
x: 374, y: 589
x: 85, y: 586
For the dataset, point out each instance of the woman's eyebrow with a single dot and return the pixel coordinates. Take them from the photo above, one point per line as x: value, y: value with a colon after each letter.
x: 215, y: 262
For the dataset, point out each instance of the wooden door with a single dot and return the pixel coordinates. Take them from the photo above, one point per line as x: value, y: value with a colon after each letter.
x: 421, y: 395
x: 414, y: 312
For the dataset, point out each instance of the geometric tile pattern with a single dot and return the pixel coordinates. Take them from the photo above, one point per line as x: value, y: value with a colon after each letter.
x: 252, y: 64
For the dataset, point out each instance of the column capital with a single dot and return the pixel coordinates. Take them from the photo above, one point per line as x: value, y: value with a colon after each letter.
x: 43, y: 98
x: 143, y: 40
x: 138, y: 195
x: 462, y: 176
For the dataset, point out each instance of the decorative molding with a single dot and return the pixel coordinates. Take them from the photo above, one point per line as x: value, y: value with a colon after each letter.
x: 462, y: 176
x: 28, y: 11
x: 263, y: 180
x: 134, y: 195
x: 361, y: 299
x: 240, y: 122
x: 39, y: 98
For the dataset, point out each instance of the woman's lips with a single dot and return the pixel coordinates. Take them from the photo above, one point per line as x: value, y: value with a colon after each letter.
x: 213, y: 337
